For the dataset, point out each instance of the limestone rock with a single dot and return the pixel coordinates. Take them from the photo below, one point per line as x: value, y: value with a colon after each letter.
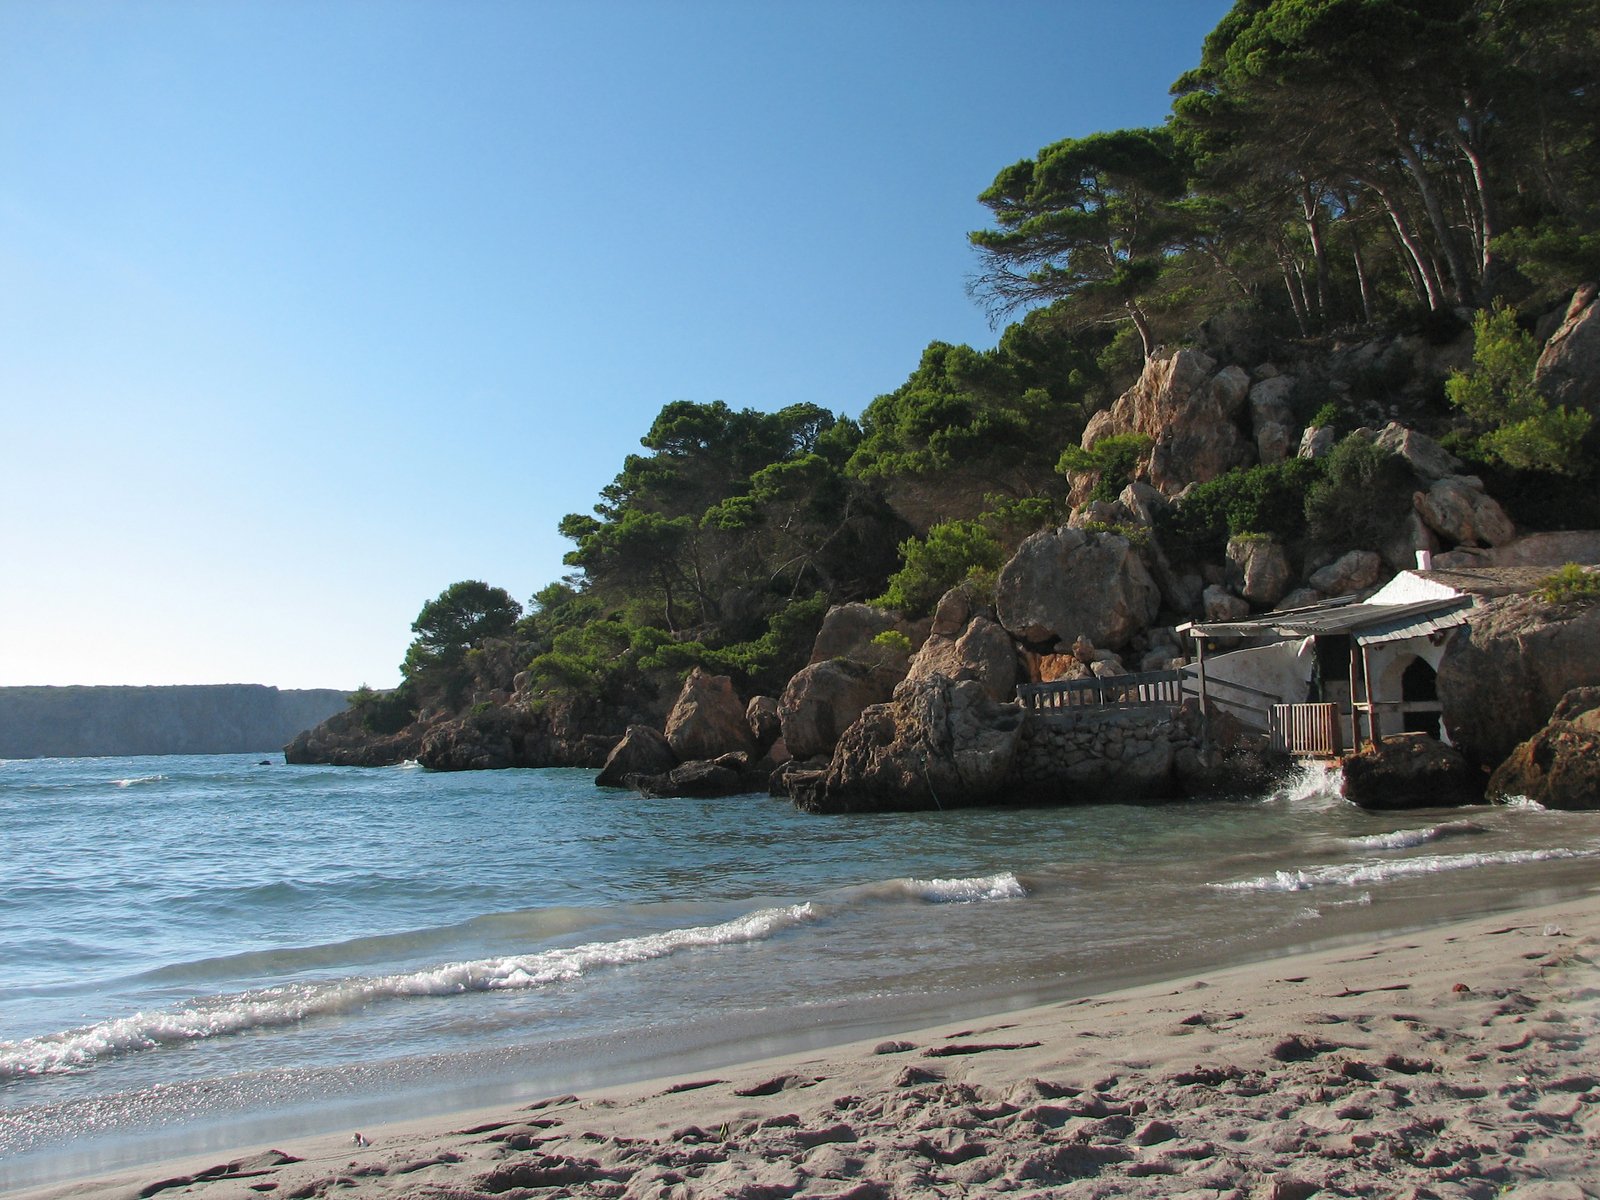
x: 1400, y: 551
x: 1349, y: 573
x: 1300, y: 598
x: 1502, y: 675
x: 1568, y: 372
x: 708, y: 719
x: 722, y: 776
x: 1272, y: 418
x: 1143, y: 503
x: 1222, y: 605
x: 824, y: 699
x: 1428, y: 460
x: 983, y: 651
x: 1191, y: 410
x: 761, y: 715
x: 1559, y: 766
x: 1410, y: 770
x: 938, y: 743
x: 1317, y: 441
x: 1065, y: 582
x: 1258, y: 569
x: 1458, y: 510
x: 1096, y: 512
x: 642, y: 751
x: 848, y: 629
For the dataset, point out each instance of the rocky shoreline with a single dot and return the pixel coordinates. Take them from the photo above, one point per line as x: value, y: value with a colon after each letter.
x: 891, y: 713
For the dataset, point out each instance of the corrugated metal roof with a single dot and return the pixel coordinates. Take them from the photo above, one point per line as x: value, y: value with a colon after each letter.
x: 1367, y: 623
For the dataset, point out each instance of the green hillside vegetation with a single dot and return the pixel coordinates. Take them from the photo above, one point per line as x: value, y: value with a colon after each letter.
x: 1328, y: 166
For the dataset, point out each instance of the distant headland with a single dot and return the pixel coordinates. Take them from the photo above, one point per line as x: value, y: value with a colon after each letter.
x: 225, y: 718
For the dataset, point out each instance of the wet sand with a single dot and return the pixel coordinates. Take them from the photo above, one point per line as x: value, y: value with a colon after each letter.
x: 1457, y: 1062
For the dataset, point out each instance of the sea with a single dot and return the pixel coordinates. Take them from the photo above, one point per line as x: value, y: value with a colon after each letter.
x: 221, y: 952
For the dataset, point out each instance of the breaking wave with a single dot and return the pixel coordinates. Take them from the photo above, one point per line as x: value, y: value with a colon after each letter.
x: 274, y: 1007
x: 1353, y: 874
x: 1405, y: 839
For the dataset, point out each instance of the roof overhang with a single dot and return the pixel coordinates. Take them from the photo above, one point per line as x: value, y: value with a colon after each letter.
x: 1368, y: 624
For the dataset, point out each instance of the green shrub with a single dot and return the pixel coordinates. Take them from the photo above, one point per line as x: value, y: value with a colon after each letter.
x: 1362, y: 496
x: 1268, y: 499
x: 893, y: 641
x: 1515, y: 425
x: 1569, y: 585
x: 383, y: 712
x: 936, y: 563
x: 1114, y: 459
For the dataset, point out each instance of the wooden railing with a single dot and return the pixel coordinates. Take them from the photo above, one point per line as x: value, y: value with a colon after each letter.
x: 1306, y: 730
x: 1147, y: 689
x: 1251, y: 705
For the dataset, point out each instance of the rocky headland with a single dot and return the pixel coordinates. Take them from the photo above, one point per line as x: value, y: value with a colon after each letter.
x: 891, y: 712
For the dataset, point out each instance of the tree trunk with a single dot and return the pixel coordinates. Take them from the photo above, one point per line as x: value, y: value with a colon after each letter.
x: 1361, y: 278
x: 1488, y: 216
x: 1311, y: 213
x: 1402, y: 227
x: 1142, y: 324
x: 1435, y: 210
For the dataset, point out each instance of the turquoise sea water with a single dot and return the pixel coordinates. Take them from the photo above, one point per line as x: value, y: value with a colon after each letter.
x: 204, y: 952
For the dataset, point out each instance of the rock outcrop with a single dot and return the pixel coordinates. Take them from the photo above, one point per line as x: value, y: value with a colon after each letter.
x: 1568, y: 372
x: 824, y: 700
x: 1064, y: 582
x: 1559, y: 766
x: 1410, y: 770
x: 506, y: 736
x: 342, y: 741
x: 1460, y: 511
x: 848, y: 629
x: 642, y: 751
x: 1192, y: 412
x: 982, y: 651
x: 1502, y: 675
x: 708, y: 719
x: 937, y: 743
x: 1352, y: 572
x: 1258, y: 569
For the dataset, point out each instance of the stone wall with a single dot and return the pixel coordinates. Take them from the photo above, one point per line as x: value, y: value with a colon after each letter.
x: 1098, y: 754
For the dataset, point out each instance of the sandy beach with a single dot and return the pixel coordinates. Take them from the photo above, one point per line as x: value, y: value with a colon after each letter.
x: 1455, y: 1062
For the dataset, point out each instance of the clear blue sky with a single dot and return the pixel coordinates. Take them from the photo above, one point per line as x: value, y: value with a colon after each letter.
x: 311, y: 308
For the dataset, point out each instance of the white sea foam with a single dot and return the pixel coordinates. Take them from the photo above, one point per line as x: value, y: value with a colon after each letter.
x: 1314, y: 785
x: 138, y: 779
x: 1405, y: 839
x: 268, y: 1008
x: 1352, y: 874
x: 1003, y: 885
x: 1523, y: 804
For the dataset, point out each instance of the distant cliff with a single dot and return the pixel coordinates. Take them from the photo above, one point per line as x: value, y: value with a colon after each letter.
x: 82, y: 722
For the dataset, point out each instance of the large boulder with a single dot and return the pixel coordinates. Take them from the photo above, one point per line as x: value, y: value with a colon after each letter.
x: 1352, y: 572
x: 983, y: 651
x: 1558, y: 767
x: 1568, y: 372
x: 1410, y: 770
x: 1272, y: 418
x: 1460, y: 511
x: 1428, y: 460
x: 1258, y: 569
x: 939, y: 743
x: 1192, y: 412
x: 642, y: 751
x: 708, y: 719
x: 1219, y: 604
x: 723, y: 776
x: 1065, y: 582
x: 761, y: 715
x: 848, y: 629
x: 824, y: 699
x: 1502, y: 674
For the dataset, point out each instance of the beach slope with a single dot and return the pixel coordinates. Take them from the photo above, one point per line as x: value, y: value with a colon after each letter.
x: 1455, y: 1062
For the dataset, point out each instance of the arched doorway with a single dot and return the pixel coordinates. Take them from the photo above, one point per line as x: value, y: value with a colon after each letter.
x: 1419, y: 683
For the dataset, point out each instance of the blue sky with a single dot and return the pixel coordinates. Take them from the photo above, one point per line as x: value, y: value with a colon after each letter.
x: 313, y: 308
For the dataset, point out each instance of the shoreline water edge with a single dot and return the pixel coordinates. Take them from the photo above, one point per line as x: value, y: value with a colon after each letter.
x: 1453, y: 1061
